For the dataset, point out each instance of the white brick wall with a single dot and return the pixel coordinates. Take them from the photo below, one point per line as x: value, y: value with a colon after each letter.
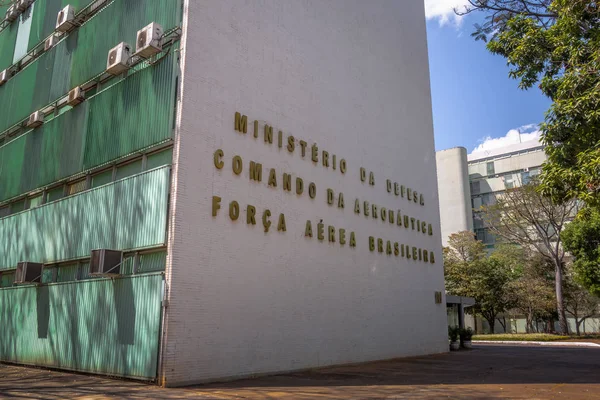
x: 353, y: 77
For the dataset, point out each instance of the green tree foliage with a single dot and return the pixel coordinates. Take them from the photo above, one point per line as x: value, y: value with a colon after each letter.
x: 526, y: 217
x: 582, y: 240
x: 470, y: 273
x: 531, y: 292
x: 555, y: 44
x: 580, y: 303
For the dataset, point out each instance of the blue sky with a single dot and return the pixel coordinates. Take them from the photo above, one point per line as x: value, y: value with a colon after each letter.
x: 474, y: 101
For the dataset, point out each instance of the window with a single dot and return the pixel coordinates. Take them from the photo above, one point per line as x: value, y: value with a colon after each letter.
x: 17, y: 206
x: 477, y: 203
x: 490, y: 168
x: 475, y: 187
x: 36, y: 201
x: 123, y: 171
x: 525, y: 177
x: 55, y: 194
x: 4, y: 211
x: 159, y: 159
x: 76, y: 187
x: 477, y: 223
x: 509, y: 181
x: 102, y: 178
x: 488, y: 199
x: 480, y: 234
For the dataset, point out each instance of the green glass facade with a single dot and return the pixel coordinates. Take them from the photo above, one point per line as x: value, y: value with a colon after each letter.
x: 96, y: 175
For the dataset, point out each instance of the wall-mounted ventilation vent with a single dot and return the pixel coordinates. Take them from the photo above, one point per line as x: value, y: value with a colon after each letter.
x: 3, y: 77
x: 36, y: 119
x: 118, y: 59
x: 149, y: 40
x: 50, y: 42
x: 12, y: 13
x: 65, y: 19
x: 106, y: 262
x: 23, y: 5
x: 28, y: 272
x: 76, y: 96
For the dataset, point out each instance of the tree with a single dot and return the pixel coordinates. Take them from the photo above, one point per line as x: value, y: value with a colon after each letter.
x: 470, y: 273
x: 580, y: 303
x: 582, y: 240
x: 555, y: 44
x: 526, y: 217
x: 532, y: 293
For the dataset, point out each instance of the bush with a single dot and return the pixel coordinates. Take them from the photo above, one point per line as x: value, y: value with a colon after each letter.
x: 466, y: 334
x: 453, y: 333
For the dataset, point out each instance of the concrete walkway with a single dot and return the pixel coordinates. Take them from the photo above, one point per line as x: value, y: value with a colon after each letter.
x: 486, y: 372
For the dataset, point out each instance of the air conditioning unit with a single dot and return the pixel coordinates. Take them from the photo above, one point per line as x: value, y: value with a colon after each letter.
x: 118, y: 59
x: 65, y: 19
x: 12, y: 13
x: 50, y: 42
x: 28, y: 272
x: 36, y: 119
x: 4, y: 77
x: 149, y: 40
x: 106, y: 262
x: 76, y: 96
x: 23, y: 5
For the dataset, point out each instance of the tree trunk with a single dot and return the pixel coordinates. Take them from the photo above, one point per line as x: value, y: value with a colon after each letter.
x: 560, y: 301
x: 577, y: 323
x: 503, y: 324
x: 491, y: 322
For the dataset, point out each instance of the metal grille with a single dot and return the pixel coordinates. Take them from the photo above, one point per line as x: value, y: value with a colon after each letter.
x: 128, y: 214
x: 98, y: 326
x: 127, y: 117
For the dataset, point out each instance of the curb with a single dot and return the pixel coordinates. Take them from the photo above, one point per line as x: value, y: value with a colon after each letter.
x: 569, y: 344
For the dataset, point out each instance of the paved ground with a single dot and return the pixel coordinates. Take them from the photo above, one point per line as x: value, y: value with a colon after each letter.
x: 486, y: 372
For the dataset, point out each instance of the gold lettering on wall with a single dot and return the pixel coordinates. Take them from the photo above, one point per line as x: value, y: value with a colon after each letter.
x: 237, y: 165
x: 250, y: 215
x: 281, y: 224
x: 266, y: 221
x: 216, y: 205
x: 308, y: 229
x: 272, y: 178
x: 234, y: 210
x: 218, y: 159
x: 255, y: 171
x: 241, y: 123
x: 312, y: 190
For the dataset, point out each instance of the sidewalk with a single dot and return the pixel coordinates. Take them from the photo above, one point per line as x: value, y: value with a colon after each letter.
x: 486, y: 372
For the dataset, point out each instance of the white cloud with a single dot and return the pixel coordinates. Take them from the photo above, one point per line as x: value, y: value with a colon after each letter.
x: 526, y: 133
x: 443, y: 10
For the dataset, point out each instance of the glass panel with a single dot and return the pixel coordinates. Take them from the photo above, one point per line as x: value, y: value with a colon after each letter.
x: 67, y: 273
x: 126, y: 170
x: 159, y: 159
x: 55, y: 194
x: 17, y: 206
x: 490, y: 168
x: 36, y: 201
x: 475, y: 187
x: 152, y: 262
x: 48, y: 274
x: 4, y: 211
x: 76, y: 187
x: 7, y: 279
x: 102, y: 178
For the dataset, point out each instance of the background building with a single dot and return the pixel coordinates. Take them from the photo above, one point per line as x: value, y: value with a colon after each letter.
x: 469, y: 182
x: 491, y: 173
x: 264, y: 169
x: 456, y: 212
